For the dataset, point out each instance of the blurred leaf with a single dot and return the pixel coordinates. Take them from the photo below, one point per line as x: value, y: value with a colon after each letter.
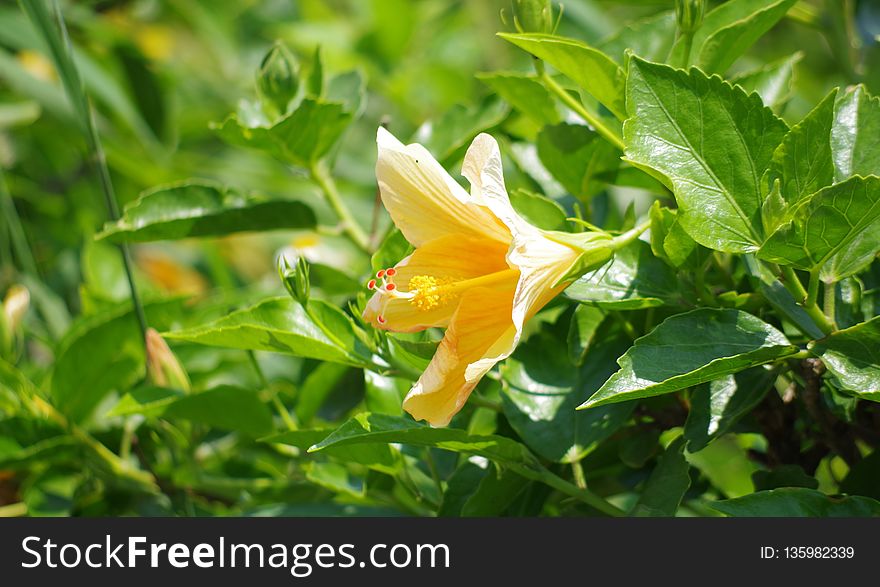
x: 538, y: 210
x: 853, y: 356
x: 447, y: 136
x: 543, y: 391
x: 384, y: 394
x: 575, y: 156
x: 864, y: 477
x: 726, y: 465
x: 588, y: 67
x: 194, y: 209
x: 146, y: 90
x: 392, y: 250
x: 281, y: 325
x: 300, y: 138
x: 51, y: 494
x: 713, y: 160
x: 634, y: 279
x: 783, y: 476
x: 350, y: 90
x: 316, y: 388
x: 525, y: 93
x: 667, y: 484
x: 730, y: 29
x: 773, y: 81
x: 692, y: 348
x: 718, y: 405
x: 836, y: 230
x: 798, y: 502
x: 585, y: 322
x: 18, y: 114
x: 336, y: 478
x: 225, y: 407
x: 856, y: 123
x: 650, y: 38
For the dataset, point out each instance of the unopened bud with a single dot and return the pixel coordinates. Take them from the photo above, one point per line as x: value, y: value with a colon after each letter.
x: 15, y: 305
x: 689, y: 14
x: 278, y: 79
x: 295, y: 279
x: 533, y: 16
x: 163, y: 368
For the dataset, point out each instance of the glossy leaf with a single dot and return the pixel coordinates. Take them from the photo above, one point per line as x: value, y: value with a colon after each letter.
x: 586, y: 66
x: 669, y: 241
x: 718, y: 405
x: 692, y: 348
x: 667, y: 484
x: 836, y: 230
x: 712, y: 141
x: 281, y: 325
x: 194, y: 209
x: 543, y: 391
x: 633, y: 280
x: 585, y: 322
x: 798, y: 502
x: 538, y: 210
x: 854, y: 135
x: 575, y: 156
x: 780, y: 298
x: 853, y: 356
x: 773, y: 81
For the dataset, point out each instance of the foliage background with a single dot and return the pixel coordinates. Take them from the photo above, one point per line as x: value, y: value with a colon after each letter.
x: 84, y: 430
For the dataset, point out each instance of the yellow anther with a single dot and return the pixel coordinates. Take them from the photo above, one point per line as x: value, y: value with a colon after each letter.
x: 429, y: 292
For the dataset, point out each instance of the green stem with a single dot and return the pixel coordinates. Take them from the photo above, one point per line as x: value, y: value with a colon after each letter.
x: 321, y: 175
x: 793, y: 284
x: 578, y: 108
x: 583, y: 495
x: 830, y: 300
x: 578, y: 471
x: 630, y: 235
x: 812, y: 289
x: 686, y: 54
x: 55, y: 34
x: 16, y: 230
x: 276, y: 401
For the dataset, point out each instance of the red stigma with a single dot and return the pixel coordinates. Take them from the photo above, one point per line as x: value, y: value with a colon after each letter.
x: 380, y: 274
x: 390, y: 287
x: 371, y: 284
x: 381, y: 319
x: 391, y: 272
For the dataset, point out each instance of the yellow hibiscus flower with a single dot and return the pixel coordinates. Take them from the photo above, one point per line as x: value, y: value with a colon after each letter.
x: 479, y: 269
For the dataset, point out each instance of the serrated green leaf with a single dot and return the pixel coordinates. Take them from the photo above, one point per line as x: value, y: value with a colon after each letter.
x: 586, y: 66
x: 718, y: 405
x: 667, y: 484
x: 730, y: 29
x: 300, y: 138
x: 798, y: 502
x: 197, y: 209
x: 836, y: 230
x: 854, y: 134
x: 692, y: 348
x: 634, y: 279
x: 712, y: 141
x: 802, y: 162
x: 281, y: 325
x: 773, y: 81
x: 853, y: 356
x: 525, y: 93
x: 575, y: 156
x: 543, y: 391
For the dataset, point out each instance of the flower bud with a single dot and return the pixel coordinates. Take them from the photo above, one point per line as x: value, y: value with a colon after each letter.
x: 533, y: 16
x: 295, y: 279
x: 163, y: 368
x: 12, y: 311
x: 278, y: 79
x: 689, y: 14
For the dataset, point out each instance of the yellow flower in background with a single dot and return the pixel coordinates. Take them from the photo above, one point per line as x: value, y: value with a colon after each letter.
x: 36, y: 64
x: 478, y: 269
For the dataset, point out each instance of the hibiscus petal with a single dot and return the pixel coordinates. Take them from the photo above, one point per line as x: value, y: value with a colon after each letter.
x: 424, y: 201
x: 480, y: 334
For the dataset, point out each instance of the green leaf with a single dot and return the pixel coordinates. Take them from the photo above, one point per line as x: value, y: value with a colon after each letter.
x: 798, y: 502
x: 538, y: 210
x: 783, y: 476
x: 542, y: 392
x: 225, y: 407
x: 729, y: 30
x: 854, y: 134
x: 477, y: 489
x: 384, y: 394
x: 392, y: 250
x: 586, y: 66
x: 669, y: 241
x: 282, y: 325
x: 712, y: 141
x: 300, y: 138
x: 836, y: 230
x: 718, y: 405
x: 634, y: 279
x: 779, y: 297
x: 802, y: 162
x: 449, y: 135
x: 692, y: 348
x: 853, y: 356
x: 379, y: 457
x: 525, y: 93
x: 575, y: 156
x: 667, y: 484
x: 727, y: 466
x: 366, y: 428
x: 585, y: 322
x: 194, y: 208
x: 864, y: 477
x: 102, y: 353
x: 650, y: 38
x: 772, y: 82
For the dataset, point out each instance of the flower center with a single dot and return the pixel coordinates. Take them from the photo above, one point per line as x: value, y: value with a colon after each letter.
x: 428, y: 292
